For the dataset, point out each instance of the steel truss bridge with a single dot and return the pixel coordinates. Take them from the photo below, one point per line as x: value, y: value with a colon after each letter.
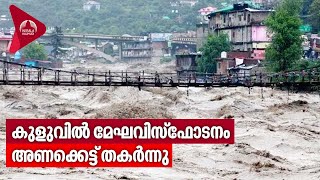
x: 19, y: 74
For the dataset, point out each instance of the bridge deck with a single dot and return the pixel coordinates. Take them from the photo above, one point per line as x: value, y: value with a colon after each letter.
x: 99, y: 37
x: 19, y: 74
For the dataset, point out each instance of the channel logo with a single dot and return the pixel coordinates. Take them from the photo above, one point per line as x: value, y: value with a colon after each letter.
x: 28, y: 29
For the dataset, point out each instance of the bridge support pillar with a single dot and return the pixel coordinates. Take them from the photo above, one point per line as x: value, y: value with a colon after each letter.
x: 96, y: 43
x: 120, y: 50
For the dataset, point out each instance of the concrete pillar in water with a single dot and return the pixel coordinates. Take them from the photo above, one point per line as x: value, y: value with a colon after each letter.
x: 120, y: 50
x: 96, y: 44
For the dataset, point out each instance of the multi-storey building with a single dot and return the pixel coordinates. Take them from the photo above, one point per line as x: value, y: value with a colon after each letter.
x: 202, y: 34
x: 136, y: 51
x: 160, y: 44
x: 244, y: 26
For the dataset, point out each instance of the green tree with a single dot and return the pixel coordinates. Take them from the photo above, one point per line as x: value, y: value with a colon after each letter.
x: 35, y: 51
x: 211, y: 50
x: 286, y: 47
x: 315, y: 15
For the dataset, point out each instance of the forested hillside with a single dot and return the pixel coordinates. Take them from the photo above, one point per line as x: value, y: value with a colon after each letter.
x: 135, y: 17
x: 115, y: 16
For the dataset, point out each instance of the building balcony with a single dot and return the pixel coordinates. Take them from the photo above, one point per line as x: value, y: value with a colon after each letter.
x: 136, y: 56
x: 136, y: 48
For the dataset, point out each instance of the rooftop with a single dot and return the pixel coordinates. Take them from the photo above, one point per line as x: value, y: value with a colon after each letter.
x: 247, y: 5
x: 92, y: 3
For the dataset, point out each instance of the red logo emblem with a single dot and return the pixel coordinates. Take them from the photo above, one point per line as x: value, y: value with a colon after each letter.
x: 27, y: 28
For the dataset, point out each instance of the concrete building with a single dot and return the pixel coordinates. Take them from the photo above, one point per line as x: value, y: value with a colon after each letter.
x: 160, y: 44
x: 186, y: 64
x: 225, y: 64
x: 5, y: 41
x: 4, y: 18
x: 140, y: 51
x: 91, y: 5
x: 239, y: 63
x: 202, y: 34
x: 204, y: 12
x: 183, y: 43
x: 244, y: 26
x: 188, y: 34
x: 182, y: 48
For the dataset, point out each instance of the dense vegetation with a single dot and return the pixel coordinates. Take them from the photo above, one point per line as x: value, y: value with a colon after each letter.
x: 129, y: 16
x: 315, y: 15
x: 211, y: 50
x: 285, y: 50
x: 35, y: 51
x: 115, y: 17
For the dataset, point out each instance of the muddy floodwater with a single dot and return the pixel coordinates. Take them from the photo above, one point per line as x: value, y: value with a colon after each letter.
x: 277, y: 135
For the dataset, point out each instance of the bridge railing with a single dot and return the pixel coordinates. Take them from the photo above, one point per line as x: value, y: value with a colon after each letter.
x: 20, y: 74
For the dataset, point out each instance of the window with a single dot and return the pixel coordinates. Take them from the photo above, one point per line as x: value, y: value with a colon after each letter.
x: 239, y: 17
x: 224, y: 18
x: 219, y: 65
x: 249, y: 17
